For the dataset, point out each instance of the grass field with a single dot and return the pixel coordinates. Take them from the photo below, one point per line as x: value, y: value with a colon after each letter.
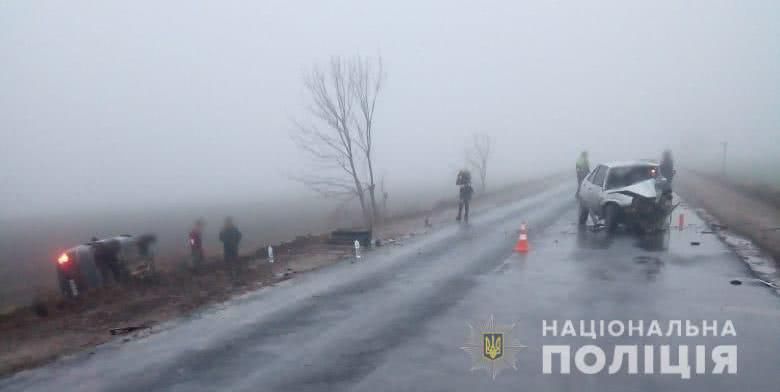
x: 741, y: 170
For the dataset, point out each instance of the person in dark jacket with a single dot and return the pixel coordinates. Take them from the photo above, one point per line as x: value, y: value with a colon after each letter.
x: 106, y: 255
x: 466, y: 191
x: 667, y: 165
x: 230, y: 237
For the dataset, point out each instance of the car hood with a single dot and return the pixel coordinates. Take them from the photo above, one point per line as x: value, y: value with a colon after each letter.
x: 646, y: 188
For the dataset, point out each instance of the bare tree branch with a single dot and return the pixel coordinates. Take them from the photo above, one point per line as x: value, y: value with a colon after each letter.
x: 477, y: 156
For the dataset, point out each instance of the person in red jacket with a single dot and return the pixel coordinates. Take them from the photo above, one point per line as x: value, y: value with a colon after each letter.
x: 196, y: 244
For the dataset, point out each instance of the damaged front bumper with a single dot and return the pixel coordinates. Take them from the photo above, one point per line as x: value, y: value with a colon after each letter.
x: 649, y: 214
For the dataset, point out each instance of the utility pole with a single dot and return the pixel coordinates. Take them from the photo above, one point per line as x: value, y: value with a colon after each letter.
x: 723, y: 161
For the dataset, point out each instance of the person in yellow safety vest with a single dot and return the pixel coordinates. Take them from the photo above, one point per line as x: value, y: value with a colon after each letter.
x: 583, y: 168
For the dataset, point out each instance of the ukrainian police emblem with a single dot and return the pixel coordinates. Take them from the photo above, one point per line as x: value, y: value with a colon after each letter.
x: 492, y: 347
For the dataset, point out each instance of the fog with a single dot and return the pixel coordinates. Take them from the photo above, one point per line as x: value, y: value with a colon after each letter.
x: 130, y: 105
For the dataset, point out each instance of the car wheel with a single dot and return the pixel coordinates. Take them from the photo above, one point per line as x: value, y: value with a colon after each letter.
x: 610, y: 217
x: 583, y: 218
x: 64, y: 289
x: 67, y: 288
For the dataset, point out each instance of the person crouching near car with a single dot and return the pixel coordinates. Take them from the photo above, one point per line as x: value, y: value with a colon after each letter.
x: 230, y: 237
x: 667, y: 165
x: 196, y: 245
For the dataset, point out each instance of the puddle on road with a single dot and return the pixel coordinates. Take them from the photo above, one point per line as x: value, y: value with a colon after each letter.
x: 655, y: 242
x: 595, y: 237
x: 588, y: 239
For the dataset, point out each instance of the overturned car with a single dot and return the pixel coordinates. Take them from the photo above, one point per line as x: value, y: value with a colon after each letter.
x: 99, y: 263
x: 630, y: 193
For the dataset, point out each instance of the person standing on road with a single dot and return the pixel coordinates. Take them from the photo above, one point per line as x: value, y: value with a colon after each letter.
x: 230, y: 237
x: 196, y: 244
x: 583, y: 168
x: 667, y: 165
x: 465, y: 197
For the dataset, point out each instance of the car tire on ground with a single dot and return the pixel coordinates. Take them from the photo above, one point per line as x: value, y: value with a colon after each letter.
x: 583, y: 217
x: 610, y: 217
x: 65, y: 286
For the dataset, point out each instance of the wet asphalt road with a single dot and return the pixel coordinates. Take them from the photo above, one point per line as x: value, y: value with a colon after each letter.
x: 396, y: 319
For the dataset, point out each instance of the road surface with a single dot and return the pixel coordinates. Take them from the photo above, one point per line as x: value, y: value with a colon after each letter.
x: 396, y: 319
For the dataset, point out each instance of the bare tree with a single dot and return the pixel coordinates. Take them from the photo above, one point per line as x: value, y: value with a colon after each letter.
x: 477, y: 156
x: 367, y: 81
x: 340, y: 137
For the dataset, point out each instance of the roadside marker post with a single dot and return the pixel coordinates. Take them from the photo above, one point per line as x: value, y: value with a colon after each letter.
x: 357, y: 249
x: 270, y: 254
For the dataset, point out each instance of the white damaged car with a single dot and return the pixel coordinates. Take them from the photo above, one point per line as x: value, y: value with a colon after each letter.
x: 632, y: 193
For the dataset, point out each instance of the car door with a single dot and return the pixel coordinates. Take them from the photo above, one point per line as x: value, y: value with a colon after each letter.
x: 596, y: 190
x: 586, y: 188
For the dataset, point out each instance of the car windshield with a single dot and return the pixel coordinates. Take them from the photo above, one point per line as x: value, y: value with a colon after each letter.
x: 625, y: 176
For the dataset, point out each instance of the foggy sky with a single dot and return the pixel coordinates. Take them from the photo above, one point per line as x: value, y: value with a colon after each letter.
x: 141, y: 102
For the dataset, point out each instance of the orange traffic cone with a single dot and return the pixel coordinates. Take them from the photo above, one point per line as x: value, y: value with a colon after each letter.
x: 522, y: 240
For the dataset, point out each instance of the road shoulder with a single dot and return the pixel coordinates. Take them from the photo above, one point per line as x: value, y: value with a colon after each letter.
x: 748, y: 224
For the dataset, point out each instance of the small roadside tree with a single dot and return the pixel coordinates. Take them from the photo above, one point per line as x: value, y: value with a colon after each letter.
x: 339, y: 134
